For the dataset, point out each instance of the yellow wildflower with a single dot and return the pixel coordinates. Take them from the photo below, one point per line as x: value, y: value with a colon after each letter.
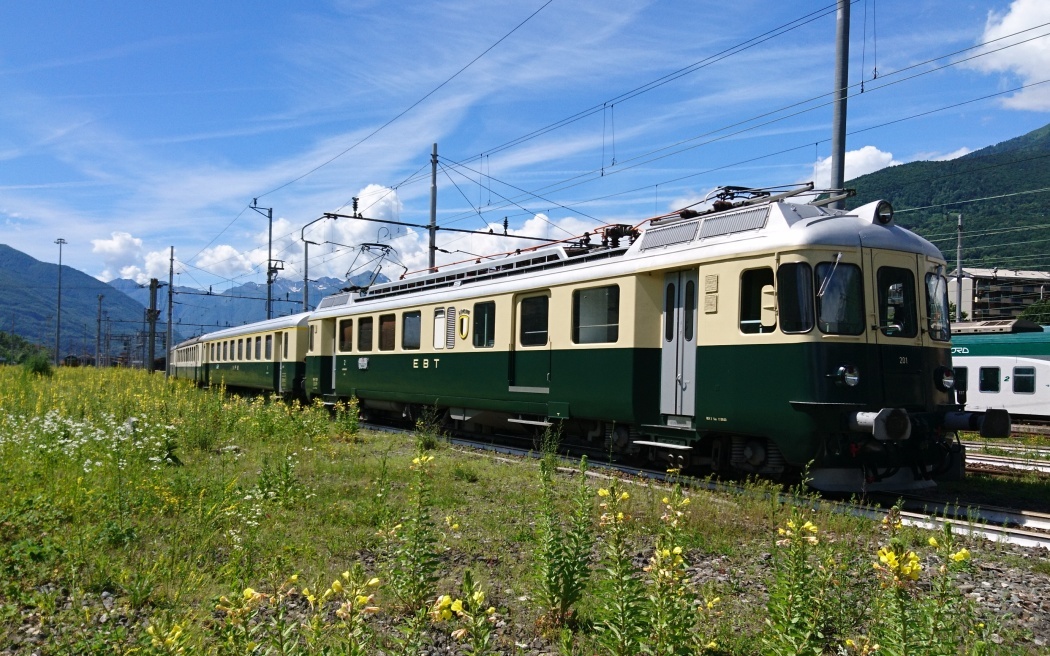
x: 809, y: 526
x: 457, y: 606
x: 932, y: 541
x: 602, y: 492
x: 961, y: 555
x: 337, y: 586
x: 624, y: 496
x: 372, y: 582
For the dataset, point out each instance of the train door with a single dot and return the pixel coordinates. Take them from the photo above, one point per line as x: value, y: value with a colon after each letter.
x: 335, y: 357
x: 278, y: 355
x: 895, y: 318
x: 678, y: 351
x: 530, y: 365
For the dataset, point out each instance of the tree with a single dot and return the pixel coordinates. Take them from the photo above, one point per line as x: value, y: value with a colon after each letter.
x: 1038, y: 312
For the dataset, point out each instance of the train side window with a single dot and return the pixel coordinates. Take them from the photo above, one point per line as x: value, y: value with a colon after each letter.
x: 534, y: 312
x: 410, y: 326
x: 346, y: 335
x: 439, y: 328
x: 313, y: 333
x: 988, y: 379
x: 1024, y: 380
x: 269, y: 347
x: 485, y: 324
x: 248, y: 348
x: 364, y: 334
x: 596, y: 315
x: 284, y: 344
x: 840, y: 298
x: 258, y: 347
x: 754, y: 287
x: 225, y: 349
x: 897, y: 302
x: 961, y: 378
x: 387, y: 322
x: 240, y: 349
x: 795, y: 297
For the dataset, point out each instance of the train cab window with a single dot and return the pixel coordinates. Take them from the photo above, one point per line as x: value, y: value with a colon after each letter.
x: 410, y: 327
x: 439, y: 328
x: 897, y: 307
x: 364, y: 334
x: 795, y: 297
x: 258, y: 347
x: 1024, y: 380
x: 756, y: 286
x: 840, y: 298
x: 937, y: 312
x: 346, y: 335
x: 387, y: 322
x: 988, y: 379
x: 269, y: 347
x: 534, y: 320
x: 485, y: 324
x: 596, y: 315
x: 961, y: 378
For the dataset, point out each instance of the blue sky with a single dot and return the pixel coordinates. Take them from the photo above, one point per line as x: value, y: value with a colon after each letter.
x: 127, y: 128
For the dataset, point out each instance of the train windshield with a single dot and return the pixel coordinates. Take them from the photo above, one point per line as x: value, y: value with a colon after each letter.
x: 937, y: 307
x: 840, y: 299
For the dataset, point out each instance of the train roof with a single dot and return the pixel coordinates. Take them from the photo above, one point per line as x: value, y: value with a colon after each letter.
x: 760, y: 227
x: 280, y: 323
x: 996, y: 326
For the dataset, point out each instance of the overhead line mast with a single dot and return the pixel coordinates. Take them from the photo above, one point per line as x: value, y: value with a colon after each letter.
x: 838, y: 123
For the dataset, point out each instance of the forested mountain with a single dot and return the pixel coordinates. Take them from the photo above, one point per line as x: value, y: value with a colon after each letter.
x: 1005, y: 225
x: 29, y: 305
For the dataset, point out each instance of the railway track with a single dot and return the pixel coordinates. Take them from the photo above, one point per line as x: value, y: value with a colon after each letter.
x: 1023, y: 528
x: 1028, y: 459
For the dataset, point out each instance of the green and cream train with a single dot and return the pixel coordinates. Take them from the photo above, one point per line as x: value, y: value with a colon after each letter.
x: 760, y: 338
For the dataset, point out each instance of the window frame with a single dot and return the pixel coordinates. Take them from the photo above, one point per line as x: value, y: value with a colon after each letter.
x: 984, y: 384
x: 525, y: 303
x: 1028, y: 376
x: 411, y: 337
x: 604, y: 333
x: 484, y: 325
x: 365, y: 337
x: 345, y: 330
x: 749, y: 317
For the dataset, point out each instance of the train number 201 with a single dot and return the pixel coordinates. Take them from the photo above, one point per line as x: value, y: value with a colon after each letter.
x: 903, y: 359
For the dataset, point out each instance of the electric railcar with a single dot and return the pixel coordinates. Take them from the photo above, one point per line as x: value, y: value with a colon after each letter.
x: 264, y: 356
x: 756, y: 338
x: 1003, y: 364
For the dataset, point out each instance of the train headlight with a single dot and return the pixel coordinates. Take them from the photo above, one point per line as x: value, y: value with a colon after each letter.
x: 884, y: 213
x: 848, y: 375
x: 945, y: 379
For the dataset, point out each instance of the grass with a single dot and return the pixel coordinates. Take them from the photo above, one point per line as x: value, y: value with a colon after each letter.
x: 145, y: 516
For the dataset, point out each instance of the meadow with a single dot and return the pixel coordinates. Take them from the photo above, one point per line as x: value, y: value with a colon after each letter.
x: 145, y: 516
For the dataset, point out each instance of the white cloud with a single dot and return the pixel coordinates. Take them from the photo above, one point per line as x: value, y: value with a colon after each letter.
x: 225, y: 261
x: 1028, y: 61
x: 943, y: 157
x: 858, y: 162
x: 120, y: 253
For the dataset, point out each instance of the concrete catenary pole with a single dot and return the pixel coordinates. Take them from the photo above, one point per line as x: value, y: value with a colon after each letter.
x: 58, y: 320
x: 838, y: 125
x: 958, y: 271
